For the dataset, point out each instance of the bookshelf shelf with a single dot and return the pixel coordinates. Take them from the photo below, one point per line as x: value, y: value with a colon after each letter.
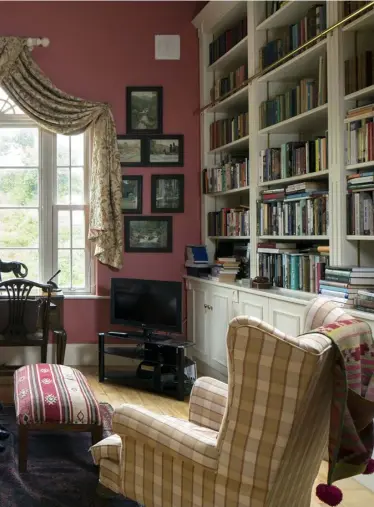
x: 235, y: 56
x: 234, y: 146
x: 317, y: 118
x: 364, y: 22
x: 295, y: 238
x: 228, y: 192
x: 301, y: 177
x: 361, y: 165
x: 298, y: 66
x: 364, y: 93
x: 230, y: 237
x: 357, y: 237
x: 286, y: 15
x: 233, y: 102
x: 361, y: 117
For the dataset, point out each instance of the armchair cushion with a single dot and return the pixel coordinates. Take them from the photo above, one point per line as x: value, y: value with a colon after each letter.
x: 208, y: 402
x: 177, y: 437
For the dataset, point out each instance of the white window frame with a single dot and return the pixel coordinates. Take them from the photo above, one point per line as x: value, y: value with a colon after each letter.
x: 48, y: 210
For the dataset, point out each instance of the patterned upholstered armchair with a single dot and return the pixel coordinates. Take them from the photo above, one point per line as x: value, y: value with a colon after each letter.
x: 256, y: 442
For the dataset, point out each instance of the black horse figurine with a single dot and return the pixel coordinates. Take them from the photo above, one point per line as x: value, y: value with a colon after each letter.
x: 19, y: 269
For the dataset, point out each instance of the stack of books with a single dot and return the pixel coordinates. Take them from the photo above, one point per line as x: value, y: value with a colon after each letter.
x: 229, y: 176
x: 225, y: 270
x: 365, y: 300
x: 343, y: 283
x: 359, y: 135
x: 360, y: 210
x: 229, y: 222
x: 289, y: 267
x: 293, y: 159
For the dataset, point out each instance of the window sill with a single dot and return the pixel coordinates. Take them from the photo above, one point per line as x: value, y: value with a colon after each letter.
x: 84, y: 296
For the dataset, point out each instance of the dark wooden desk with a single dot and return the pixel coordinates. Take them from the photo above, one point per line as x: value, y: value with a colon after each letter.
x: 56, y: 321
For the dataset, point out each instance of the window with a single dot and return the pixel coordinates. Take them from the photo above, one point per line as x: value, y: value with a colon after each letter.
x: 43, y: 200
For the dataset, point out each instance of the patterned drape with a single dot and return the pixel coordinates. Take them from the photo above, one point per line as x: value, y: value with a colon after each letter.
x: 61, y: 113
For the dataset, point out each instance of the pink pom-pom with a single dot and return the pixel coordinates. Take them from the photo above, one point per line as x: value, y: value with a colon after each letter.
x: 369, y: 467
x: 330, y: 495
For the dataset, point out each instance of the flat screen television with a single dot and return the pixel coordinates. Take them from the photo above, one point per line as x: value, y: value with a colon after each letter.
x: 151, y: 304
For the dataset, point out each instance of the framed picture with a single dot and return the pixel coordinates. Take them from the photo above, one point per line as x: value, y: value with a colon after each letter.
x: 167, y: 193
x: 164, y: 150
x: 131, y: 150
x: 132, y: 188
x: 148, y: 234
x: 144, y: 109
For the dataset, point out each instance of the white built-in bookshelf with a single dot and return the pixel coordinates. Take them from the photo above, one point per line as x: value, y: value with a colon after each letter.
x: 294, y: 141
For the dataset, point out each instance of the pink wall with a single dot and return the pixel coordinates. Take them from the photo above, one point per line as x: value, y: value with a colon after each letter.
x: 96, y: 50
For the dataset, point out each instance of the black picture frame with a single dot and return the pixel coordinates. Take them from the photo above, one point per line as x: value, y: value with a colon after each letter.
x: 139, y: 160
x: 167, y: 246
x: 173, y: 192
x: 150, y: 93
x: 139, y: 185
x: 161, y: 160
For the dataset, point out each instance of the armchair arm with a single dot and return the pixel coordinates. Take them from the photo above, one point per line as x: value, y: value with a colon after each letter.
x: 208, y: 403
x: 176, y: 437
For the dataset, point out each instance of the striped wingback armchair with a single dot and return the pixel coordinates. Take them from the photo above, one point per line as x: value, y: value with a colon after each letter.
x: 257, y: 441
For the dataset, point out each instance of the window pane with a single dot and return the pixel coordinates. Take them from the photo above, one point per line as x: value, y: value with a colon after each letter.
x: 19, y: 228
x: 29, y: 257
x: 79, y: 269
x: 64, y: 228
x: 19, y: 187
x: 63, y: 186
x: 64, y: 263
x: 77, y: 185
x: 7, y: 105
x: 19, y: 147
x: 77, y: 149
x: 63, y: 155
x: 78, y: 229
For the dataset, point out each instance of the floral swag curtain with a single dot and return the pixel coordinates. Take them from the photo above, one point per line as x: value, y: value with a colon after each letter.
x: 61, y: 113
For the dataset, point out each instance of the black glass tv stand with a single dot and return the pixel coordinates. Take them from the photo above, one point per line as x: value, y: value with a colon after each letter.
x: 162, y: 366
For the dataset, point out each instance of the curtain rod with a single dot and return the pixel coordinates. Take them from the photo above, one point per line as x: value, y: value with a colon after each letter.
x: 32, y: 42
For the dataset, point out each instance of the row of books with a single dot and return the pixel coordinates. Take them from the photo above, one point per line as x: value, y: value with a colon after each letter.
x: 227, y: 40
x: 351, y: 7
x: 229, y: 222
x: 225, y: 270
x: 273, y: 7
x: 287, y: 267
x: 360, y: 210
x: 307, y: 95
x: 359, y: 136
x: 359, y: 72
x: 293, y: 159
x: 228, y: 130
x: 299, y: 210
x: 227, y: 177
x: 294, y: 36
x: 343, y: 284
x: 226, y: 84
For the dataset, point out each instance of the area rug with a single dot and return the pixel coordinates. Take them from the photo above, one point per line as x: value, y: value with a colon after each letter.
x: 60, y: 471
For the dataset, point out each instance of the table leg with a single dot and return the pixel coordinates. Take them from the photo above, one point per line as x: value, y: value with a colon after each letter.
x: 101, y: 358
x: 61, y: 339
x: 180, y: 373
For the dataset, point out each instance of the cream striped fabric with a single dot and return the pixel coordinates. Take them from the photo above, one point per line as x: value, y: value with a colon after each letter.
x: 257, y: 442
x: 322, y: 311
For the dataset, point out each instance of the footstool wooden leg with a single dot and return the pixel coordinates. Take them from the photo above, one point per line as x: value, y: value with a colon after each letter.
x: 22, y: 447
x: 96, y: 434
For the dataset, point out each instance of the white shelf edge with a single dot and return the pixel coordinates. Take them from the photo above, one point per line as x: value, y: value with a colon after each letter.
x: 268, y: 22
x: 360, y: 117
x: 360, y: 93
x: 228, y: 192
x: 292, y: 61
x: 227, y: 102
x: 353, y: 237
x: 301, y: 177
x: 355, y: 25
x: 360, y: 165
x: 229, y: 237
x: 228, y: 146
x: 226, y: 57
x: 295, y: 238
x: 294, y: 119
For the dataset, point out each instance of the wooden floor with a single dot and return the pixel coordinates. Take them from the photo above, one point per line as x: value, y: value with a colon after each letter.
x: 355, y: 495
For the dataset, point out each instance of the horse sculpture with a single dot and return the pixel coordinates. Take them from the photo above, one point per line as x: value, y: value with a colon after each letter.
x: 19, y: 269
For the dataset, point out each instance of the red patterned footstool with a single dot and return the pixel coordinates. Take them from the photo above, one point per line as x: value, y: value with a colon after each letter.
x: 53, y: 397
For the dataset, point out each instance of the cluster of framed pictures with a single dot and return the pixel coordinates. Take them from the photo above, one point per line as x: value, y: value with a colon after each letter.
x: 151, y: 233
x: 144, y: 144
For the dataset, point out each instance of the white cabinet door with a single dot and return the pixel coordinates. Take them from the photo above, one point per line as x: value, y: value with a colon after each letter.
x: 252, y: 305
x: 197, y: 318
x: 287, y: 317
x: 220, y: 313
